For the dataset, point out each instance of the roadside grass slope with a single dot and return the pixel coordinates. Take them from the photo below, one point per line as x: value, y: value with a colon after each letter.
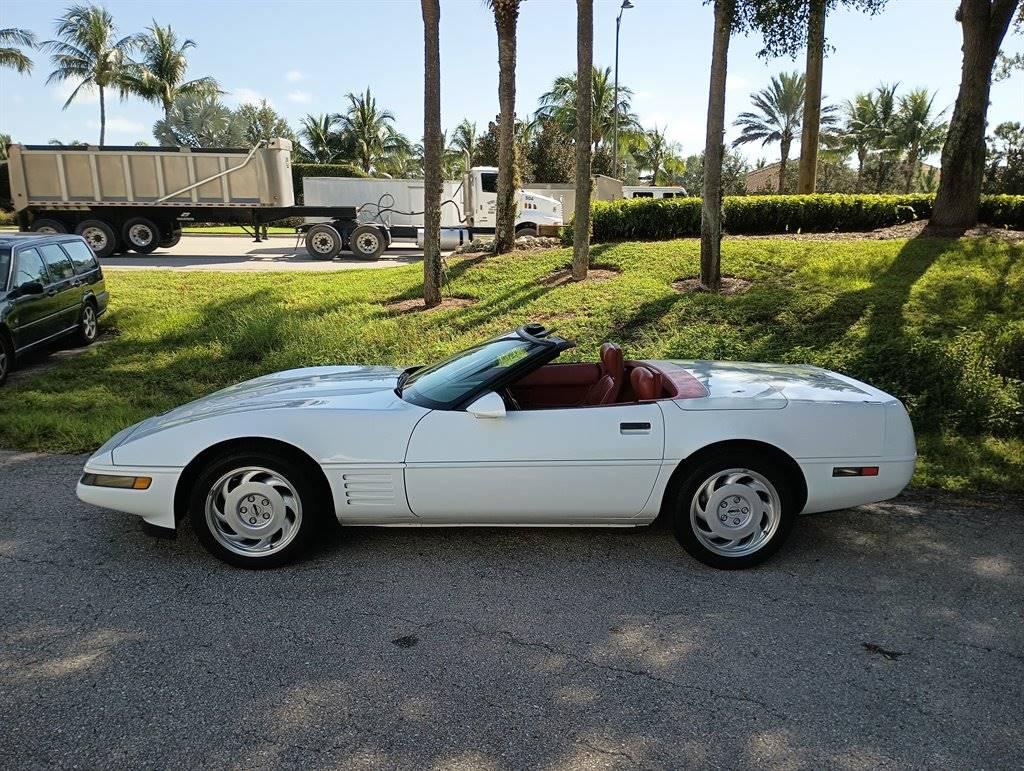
x: 937, y: 322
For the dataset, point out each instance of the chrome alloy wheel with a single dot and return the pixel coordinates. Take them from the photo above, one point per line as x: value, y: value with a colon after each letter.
x: 735, y: 512
x: 367, y: 243
x: 89, y: 322
x: 141, y: 235
x: 95, y: 237
x: 322, y: 243
x: 253, y: 511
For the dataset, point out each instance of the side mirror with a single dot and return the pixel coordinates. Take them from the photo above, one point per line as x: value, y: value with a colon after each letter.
x: 31, y: 287
x: 490, y: 405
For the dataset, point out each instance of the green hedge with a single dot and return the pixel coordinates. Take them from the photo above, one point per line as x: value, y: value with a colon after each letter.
x: 656, y: 219
x: 301, y: 170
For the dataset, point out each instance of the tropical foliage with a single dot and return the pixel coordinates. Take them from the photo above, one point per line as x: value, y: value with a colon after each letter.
x: 160, y: 75
x: 12, y: 40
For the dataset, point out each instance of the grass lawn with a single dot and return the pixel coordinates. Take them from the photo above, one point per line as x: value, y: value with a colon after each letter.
x: 938, y: 322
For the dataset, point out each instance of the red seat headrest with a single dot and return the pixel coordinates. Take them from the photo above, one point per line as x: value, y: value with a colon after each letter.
x: 647, y: 384
x: 612, y: 361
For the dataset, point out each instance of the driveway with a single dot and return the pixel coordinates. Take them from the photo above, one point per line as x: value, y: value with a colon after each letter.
x: 886, y: 636
x: 234, y: 253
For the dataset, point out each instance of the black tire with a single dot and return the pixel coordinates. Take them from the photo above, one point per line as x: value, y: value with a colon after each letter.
x: 751, y: 471
x: 171, y: 239
x: 141, y: 235
x: 49, y: 226
x: 367, y: 242
x: 6, y: 358
x: 99, y: 235
x: 88, y: 324
x: 305, y: 519
x: 323, y: 242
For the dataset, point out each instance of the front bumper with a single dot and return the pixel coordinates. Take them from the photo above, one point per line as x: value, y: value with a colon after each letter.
x: 155, y: 505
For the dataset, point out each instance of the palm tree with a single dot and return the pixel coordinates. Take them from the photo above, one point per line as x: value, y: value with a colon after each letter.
x: 88, y: 51
x: 559, y: 105
x: 371, y: 130
x: 711, y: 188
x: 506, y: 17
x: 433, y: 148
x: 11, y: 55
x: 780, y: 109
x: 584, y: 113
x: 858, y: 134
x: 160, y: 77
x: 652, y: 151
x: 919, y: 133
x: 319, y: 141
x: 200, y: 120
x: 464, y: 140
x: 883, y: 131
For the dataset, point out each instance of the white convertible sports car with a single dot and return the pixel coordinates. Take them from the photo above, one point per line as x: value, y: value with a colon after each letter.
x: 730, y: 453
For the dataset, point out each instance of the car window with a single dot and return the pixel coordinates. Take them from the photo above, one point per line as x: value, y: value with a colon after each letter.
x: 489, y: 182
x: 451, y: 380
x: 5, y: 267
x: 58, y: 265
x: 29, y: 267
x: 81, y: 255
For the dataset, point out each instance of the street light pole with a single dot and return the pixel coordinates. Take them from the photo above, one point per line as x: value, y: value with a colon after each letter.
x: 615, y: 104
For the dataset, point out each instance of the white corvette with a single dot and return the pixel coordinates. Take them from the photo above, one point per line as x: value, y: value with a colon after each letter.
x: 729, y: 453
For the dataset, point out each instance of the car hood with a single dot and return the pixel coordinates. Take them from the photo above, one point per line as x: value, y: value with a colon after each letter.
x: 747, y: 385
x: 353, y: 388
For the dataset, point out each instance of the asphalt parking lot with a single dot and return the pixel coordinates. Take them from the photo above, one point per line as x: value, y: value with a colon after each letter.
x: 240, y: 253
x: 888, y: 636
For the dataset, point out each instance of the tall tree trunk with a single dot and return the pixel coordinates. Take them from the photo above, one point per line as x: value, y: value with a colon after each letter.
x: 983, y: 23
x: 783, y: 162
x: 711, y: 205
x: 103, y: 117
x: 584, y: 116
x: 861, y: 155
x: 506, y: 16
x: 908, y: 178
x: 431, y: 152
x: 812, y: 98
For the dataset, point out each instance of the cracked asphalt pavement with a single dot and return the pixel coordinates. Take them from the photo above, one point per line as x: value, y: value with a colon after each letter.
x: 884, y: 636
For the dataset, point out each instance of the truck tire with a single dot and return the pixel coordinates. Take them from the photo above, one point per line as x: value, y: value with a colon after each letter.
x: 141, y: 235
x: 171, y: 239
x: 49, y: 226
x: 526, y: 230
x: 367, y: 242
x: 99, y: 235
x: 323, y: 242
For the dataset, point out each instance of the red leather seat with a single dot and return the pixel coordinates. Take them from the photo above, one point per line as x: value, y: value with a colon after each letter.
x: 613, y: 374
x: 647, y: 384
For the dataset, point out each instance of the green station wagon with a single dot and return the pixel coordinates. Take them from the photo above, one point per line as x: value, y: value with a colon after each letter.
x: 51, y: 286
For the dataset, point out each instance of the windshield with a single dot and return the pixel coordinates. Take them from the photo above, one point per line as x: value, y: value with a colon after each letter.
x: 447, y: 382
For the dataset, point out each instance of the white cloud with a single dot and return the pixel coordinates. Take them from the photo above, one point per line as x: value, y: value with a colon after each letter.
x: 239, y: 96
x: 119, y: 126
x: 87, y: 95
x: 294, y: 76
x: 300, y: 97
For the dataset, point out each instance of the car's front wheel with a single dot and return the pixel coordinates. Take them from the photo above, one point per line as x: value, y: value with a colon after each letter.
x: 735, y: 510
x: 254, y: 510
x: 6, y: 358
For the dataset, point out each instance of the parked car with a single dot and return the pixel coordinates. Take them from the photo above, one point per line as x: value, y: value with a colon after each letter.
x: 51, y: 286
x: 730, y: 453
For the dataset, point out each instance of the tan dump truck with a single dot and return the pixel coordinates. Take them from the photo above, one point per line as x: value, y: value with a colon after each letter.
x: 138, y: 198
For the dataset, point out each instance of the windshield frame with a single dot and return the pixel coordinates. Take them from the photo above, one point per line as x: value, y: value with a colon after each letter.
x: 541, y: 351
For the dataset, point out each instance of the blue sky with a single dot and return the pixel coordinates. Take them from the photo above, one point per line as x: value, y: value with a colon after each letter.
x: 305, y: 55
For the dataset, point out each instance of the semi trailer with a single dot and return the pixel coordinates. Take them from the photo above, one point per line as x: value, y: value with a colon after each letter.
x: 138, y: 198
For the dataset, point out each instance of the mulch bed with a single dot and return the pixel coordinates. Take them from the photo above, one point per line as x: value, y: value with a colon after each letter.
x: 904, y: 230
x: 730, y: 285
x: 416, y: 305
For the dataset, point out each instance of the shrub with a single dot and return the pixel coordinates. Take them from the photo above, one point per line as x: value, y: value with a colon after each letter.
x: 7, y: 218
x: 301, y: 170
x: 656, y: 219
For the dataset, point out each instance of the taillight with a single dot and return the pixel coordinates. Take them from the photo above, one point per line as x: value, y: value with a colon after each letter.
x: 855, y: 471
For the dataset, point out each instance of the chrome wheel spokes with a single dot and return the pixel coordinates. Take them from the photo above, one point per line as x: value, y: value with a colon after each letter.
x: 89, y: 322
x: 253, y: 511
x: 735, y: 512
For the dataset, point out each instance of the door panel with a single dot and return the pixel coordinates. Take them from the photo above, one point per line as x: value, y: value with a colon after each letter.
x: 589, y: 464
x: 64, y: 283
x: 35, y: 316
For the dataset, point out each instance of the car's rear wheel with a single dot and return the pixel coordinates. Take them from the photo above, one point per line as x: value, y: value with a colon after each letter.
x: 735, y: 510
x: 88, y: 325
x: 254, y: 510
x: 6, y: 358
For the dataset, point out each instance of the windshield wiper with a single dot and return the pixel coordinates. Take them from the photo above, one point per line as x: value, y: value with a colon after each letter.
x: 401, y: 380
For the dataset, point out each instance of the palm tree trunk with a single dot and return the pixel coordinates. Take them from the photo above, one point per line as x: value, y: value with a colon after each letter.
x: 584, y: 118
x: 711, y: 205
x: 861, y: 155
x: 431, y: 152
x: 908, y: 180
x: 783, y: 161
x: 983, y: 23
x: 812, y: 98
x: 506, y: 16
x: 103, y: 117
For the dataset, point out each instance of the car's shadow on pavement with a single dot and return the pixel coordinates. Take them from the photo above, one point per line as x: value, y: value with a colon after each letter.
x: 873, y: 638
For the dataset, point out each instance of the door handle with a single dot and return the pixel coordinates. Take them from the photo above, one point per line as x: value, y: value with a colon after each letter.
x: 634, y: 428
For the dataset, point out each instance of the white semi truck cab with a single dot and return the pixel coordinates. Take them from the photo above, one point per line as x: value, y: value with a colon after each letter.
x: 480, y: 201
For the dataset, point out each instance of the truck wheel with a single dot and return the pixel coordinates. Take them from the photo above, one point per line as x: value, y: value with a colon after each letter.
x: 171, y: 239
x: 99, y: 235
x: 367, y: 242
x: 323, y: 242
x: 141, y: 235
x: 529, y: 230
x: 49, y: 226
